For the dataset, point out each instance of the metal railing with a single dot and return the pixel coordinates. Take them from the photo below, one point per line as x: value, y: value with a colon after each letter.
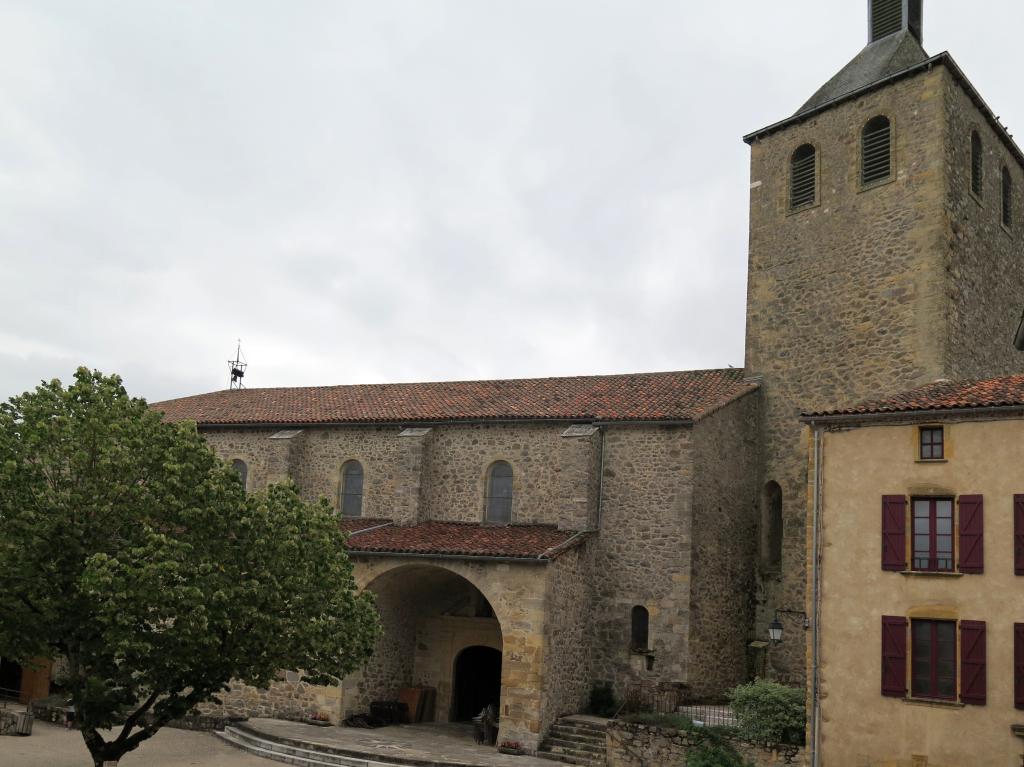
x: 643, y: 698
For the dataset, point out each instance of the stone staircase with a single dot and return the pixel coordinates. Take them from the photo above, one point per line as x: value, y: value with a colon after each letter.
x: 282, y: 751
x: 576, y: 740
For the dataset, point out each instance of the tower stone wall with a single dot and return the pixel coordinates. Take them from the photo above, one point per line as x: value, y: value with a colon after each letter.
x: 872, y: 289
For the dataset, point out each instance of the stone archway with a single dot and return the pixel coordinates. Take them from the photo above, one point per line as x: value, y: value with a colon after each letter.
x: 433, y: 609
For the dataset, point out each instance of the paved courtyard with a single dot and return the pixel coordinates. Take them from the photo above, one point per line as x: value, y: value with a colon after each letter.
x: 50, y: 745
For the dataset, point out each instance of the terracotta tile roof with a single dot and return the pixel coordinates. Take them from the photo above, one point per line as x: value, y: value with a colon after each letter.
x: 683, y: 396
x: 1006, y: 391
x: 537, y: 542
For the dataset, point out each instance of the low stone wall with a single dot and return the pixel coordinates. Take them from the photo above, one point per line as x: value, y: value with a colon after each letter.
x: 290, y: 698
x: 637, y: 745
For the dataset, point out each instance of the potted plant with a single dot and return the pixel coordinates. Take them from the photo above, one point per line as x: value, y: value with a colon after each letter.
x: 320, y: 719
x: 511, y: 747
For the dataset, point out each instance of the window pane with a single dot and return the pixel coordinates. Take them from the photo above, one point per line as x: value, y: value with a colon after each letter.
x: 945, y: 662
x: 921, y: 665
x: 352, y: 489
x: 499, y: 510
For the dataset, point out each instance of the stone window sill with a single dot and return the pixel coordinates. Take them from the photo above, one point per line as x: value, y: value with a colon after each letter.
x: 932, y: 460
x: 1007, y: 230
x: 930, y: 574
x: 974, y: 196
x: 803, y: 208
x: 875, y: 184
x: 932, y: 703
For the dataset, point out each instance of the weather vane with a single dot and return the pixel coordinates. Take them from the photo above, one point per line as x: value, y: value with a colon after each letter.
x: 238, y: 366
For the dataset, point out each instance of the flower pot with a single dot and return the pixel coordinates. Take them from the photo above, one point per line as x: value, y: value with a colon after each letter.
x: 318, y: 722
x: 513, y: 751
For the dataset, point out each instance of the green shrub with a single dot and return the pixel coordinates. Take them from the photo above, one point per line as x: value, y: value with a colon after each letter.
x: 769, y: 713
x: 602, y: 700
x: 714, y: 755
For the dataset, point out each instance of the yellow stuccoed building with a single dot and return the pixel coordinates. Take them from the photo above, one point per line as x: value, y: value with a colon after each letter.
x: 916, y: 592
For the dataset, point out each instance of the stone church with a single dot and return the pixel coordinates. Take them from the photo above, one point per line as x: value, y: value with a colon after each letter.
x: 528, y: 539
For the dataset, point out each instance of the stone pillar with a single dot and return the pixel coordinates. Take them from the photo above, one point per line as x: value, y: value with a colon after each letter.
x: 285, y: 447
x: 413, y: 444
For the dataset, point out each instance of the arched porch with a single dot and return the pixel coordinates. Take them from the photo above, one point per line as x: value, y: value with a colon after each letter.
x: 440, y: 618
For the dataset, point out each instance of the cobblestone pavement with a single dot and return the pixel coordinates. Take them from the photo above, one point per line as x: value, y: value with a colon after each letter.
x: 452, y: 743
x: 50, y: 745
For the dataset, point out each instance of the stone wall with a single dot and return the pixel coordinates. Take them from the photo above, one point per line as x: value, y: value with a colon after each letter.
x: 635, y: 745
x: 724, y: 547
x: 567, y: 661
x: 986, y: 282
x: 872, y: 290
x: 290, y: 698
x: 642, y: 555
x: 553, y: 477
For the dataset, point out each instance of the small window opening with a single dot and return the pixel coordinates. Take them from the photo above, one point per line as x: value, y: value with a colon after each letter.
x: 876, y: 151
x: 352, y: 489
x: 932, y: 443
x: 771, y: 527
x: 640, y: 629
x: 243, y: 472
x: 498, y: 505
x: 803, y: 190
x: 1007, y: 198
x: 977, y: 164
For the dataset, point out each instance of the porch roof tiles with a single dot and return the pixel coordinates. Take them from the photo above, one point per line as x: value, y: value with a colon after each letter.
x: 460, y: 539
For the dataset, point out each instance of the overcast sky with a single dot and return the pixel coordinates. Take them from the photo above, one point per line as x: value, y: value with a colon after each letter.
x: 388, y: 190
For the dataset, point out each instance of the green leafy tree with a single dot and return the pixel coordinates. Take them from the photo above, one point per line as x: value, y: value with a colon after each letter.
x: 129, y: 548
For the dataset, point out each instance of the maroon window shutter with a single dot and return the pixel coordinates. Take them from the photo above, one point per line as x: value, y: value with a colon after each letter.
x: 894, y: 656
x: 972, y: 538
x: 1018, y: 534
x: 1018, y: 665
x: 972, y: 663
x: 894, y: 532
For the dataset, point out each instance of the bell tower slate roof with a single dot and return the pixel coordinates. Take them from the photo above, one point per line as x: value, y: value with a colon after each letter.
x: 879, y: 60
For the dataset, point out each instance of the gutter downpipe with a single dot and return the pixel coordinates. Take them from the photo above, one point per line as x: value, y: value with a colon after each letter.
x: 815, y: 596
x: 600, y: 477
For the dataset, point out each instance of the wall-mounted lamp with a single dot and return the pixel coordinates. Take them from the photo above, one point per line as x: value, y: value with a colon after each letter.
x: 775, y: 627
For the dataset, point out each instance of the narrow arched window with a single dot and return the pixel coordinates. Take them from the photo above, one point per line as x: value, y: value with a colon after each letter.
x: 352, y: 489
x: 1007, y: 198
x: 803, y: 183
x: 640, y: 629
x: 499, y: 493
x: 876, y: 151
x: 977, y: 164
x: 771, y: 527
x: 243, y: 472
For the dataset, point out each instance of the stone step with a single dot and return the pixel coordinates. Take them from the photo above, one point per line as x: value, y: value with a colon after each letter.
x: 582, y: 761
x: 559, y: 745
x: 280, y: 752
x: 573, y: 733
x: 585, y: 722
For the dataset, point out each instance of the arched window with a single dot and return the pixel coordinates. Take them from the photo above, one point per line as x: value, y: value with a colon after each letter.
x: 499, y: 493
x: 1007, y: 198
x: 640, y: 629
x: 977, y: 164
x: 771, y: 527
x: 803, y: 182
x: 243, y: 472
x: 876, y: 151
x: 352, y: 489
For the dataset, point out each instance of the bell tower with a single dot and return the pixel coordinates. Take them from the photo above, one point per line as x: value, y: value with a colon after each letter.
x: 886, y: 238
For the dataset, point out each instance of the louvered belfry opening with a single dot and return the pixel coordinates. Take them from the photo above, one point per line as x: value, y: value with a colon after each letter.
x: 1007, y: 198
x: 886, y: 18
x: 876, y: 151
x: 977, y: 164
x: 804, y: 177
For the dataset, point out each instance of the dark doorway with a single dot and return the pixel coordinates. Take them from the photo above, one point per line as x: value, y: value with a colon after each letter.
x: 10, y: 679
x: 477, y: 682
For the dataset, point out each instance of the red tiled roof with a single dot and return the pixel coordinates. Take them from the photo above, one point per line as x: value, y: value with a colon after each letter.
x: 539, y: 542
x: 1006, y: 391
x: 683, y: 396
